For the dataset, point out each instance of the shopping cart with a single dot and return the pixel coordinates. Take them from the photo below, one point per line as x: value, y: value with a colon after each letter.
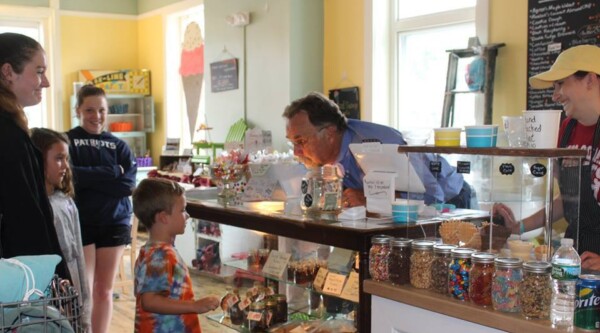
x: 58, y: 312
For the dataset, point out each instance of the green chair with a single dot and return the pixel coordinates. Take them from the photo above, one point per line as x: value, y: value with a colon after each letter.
x: 236, y: 134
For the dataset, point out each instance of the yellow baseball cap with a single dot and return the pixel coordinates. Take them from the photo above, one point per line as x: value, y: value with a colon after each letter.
x: 578, y: 58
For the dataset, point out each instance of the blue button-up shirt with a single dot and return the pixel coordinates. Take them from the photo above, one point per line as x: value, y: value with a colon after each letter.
x: 439, y: 187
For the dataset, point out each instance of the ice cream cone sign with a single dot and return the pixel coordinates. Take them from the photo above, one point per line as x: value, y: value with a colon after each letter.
x: 191, y: 70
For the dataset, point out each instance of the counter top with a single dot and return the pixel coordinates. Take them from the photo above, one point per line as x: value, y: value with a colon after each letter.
x: 435, y: 302
x: 286, y: 219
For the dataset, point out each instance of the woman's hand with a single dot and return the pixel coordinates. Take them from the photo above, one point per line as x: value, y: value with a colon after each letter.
x: 590, y: 260
x: 353, y: 197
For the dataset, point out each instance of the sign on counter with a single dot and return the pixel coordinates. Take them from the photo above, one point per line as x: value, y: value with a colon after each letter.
x: 276, y: 263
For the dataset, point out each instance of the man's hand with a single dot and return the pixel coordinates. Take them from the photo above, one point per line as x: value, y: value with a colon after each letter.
x: 353, y: 197
x: 590, y: 260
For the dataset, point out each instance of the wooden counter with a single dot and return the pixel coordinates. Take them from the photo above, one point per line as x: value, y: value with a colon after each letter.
x: 290, y: 222
x: 465, y: 311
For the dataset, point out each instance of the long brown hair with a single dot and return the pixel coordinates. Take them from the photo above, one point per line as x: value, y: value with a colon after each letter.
x: 43, y: 139
x: 16, y: 50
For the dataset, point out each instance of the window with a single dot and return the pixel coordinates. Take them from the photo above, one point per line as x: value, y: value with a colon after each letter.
x: 420, y: 35
x: 35, y: 24
x: 177, y: 87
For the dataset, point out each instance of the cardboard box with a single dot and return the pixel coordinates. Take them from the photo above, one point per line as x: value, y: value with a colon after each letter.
x: 124, y: 81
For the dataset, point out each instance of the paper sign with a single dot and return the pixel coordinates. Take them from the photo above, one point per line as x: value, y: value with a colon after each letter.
x: 334, y: 283
x: 350, y: 291
x: 244, y: 304
x: 320, y: 279
x: 276, y: 263
x: 340, y: 260
x: 379, y: 185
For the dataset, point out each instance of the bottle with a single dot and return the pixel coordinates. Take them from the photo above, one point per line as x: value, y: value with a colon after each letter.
x: 236, y: 315
x: 399, y: 261
x: 439, y: 268
x: 378, y: 257
x: 322, y: 190
x: 506, y: 284
x: 566, y: 267
x: 458, y: 273
x: 535, y: 294
x: 421, y: 258
x: 480, y: 278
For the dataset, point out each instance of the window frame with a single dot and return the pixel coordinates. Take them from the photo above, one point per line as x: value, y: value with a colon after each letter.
x: 46, y: 20
x: 380, y: 55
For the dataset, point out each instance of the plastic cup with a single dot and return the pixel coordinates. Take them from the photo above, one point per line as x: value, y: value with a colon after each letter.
x: 514, y: 130
x: 541, y: 127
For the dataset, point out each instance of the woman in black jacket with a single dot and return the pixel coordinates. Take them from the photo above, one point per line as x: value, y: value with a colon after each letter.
x: 26, y: 222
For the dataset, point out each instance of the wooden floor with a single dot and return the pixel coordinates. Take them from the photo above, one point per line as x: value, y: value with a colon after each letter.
x: 124, y: 305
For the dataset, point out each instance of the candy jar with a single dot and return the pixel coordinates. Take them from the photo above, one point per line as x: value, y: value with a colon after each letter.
x: 535, y: 293
x: 506, y: 283
x: 420, y: 263
x: 482, y: 271
x: 458, y: 273
x: 399, y: 262
x: 378, y: 257
x: 439, y: 267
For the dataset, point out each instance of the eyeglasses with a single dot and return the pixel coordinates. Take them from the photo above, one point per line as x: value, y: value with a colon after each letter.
x: 303, y: 141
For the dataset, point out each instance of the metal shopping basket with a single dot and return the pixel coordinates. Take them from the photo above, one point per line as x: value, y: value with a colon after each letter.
x: 58, y: 312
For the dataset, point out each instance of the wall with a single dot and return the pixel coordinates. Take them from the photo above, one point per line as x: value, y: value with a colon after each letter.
x: 343, y: 58
x: 279, y: 56
x: 95, y: 43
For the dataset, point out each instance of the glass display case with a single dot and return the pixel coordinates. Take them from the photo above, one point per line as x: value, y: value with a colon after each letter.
x: 525, y: 206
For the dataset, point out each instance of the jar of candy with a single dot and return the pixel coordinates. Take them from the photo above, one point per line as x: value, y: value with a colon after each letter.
x: 458, y: 273
x: 421, y: 259
x: 281, y: 309
x: 270, y: 311
x: 257, y: 317
x: 535, y: 293
x: 439, y: 267
x: 378, y: 257
x: 399, y: 262
x: 481, y: 274
x: 322, y: 190
x: 505, y: 284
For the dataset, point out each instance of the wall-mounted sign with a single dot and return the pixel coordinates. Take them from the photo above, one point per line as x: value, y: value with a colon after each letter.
x: 124, y: 81
x: 224, y: 75
x: 348, y: 101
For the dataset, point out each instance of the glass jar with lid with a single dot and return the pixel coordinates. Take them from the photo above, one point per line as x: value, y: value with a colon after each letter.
x: 506, y: 283
x: 322, y: 190
x: 439, y: 267
x: 458, y: 273
x: 421, y: 259
x: 399, y: 261
x: 480, y: 276
x: 535, y: 293
x: 378, y: 257
x: 257, y: 317
x: 281, y: 309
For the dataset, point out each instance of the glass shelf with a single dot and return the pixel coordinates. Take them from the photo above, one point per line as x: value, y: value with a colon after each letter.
x: 243, y: 265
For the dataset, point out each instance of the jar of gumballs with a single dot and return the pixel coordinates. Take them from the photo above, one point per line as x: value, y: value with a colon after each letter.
x: 458, y: 273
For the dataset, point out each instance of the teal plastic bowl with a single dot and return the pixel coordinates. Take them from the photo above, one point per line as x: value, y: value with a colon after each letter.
x: 481, y: 141
x: 405, y: 211
x: 481, y: 130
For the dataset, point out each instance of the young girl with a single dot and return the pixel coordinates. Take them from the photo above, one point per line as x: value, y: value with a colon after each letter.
x: 59, y: 187
x: 104, y: 172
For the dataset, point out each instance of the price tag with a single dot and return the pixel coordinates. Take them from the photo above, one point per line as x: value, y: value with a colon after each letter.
x: 244, y: 304
x: 334, y: 283
x: 276, y: 263
x: 254, y: 316
x: 320, y: 279
x: 350, y: 291
x: 232, y: 300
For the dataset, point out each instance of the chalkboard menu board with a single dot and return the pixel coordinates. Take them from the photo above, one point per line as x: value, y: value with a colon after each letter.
x: 224, y: 75
x: 348, y: 101
x: 554, y: 26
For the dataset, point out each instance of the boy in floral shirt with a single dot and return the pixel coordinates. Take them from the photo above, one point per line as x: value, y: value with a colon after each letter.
x: 163, y: 287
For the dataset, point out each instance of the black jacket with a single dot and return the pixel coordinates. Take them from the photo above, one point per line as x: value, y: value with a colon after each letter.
x: 26, y: 225
x: 101, y: 191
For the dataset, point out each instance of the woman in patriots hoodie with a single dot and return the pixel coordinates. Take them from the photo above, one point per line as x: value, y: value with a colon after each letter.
x: 104, y: 172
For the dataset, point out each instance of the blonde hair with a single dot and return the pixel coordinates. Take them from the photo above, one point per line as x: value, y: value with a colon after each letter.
x: 152, y: 196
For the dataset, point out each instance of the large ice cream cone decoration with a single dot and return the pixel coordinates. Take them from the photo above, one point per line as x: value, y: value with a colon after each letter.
x: 191, y: 70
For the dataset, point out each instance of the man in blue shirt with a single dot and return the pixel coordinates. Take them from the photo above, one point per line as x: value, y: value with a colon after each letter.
x: 321, y: 134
